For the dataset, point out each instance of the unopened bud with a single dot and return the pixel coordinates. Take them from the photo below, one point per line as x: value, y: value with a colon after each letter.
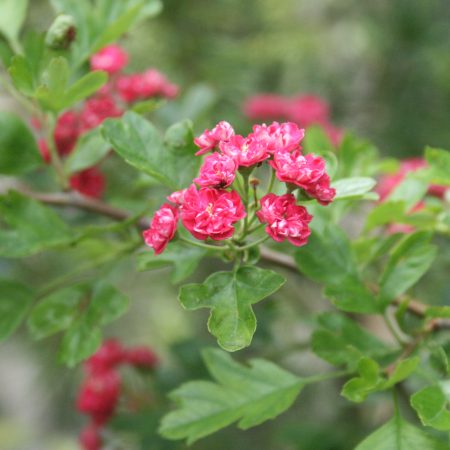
x: 61, y: 32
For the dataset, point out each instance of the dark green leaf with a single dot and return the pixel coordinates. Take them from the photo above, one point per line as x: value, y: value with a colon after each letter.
x: 89, y: 150
x: 400, y: 435
x: 409, y: 260
x: 56, y: 312
x: 184, y: 259
x: 18, y: 150
x: 15, y: 299
x: 137, y: 141
x: 230, y: 296
x: 251, y: 395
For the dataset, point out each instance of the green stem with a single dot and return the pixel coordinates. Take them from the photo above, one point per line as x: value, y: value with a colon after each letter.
x: 326, y: 376
x: 55, y: 159
x: 253, y: 244
x: 271, y: 181
x: 218, y: 248
x: 392, y: 329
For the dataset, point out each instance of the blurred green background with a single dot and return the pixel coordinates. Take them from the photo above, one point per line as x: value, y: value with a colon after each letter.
x: 384, y: 67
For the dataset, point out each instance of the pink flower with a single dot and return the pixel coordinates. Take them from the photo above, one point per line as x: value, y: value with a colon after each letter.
x: 177, y: 197
x: 98, y: 396
x: 307, y: 110
x: 211, y: 212
x: 245, y: 151
x: 285, y: 219
x: 223, y: 131
x: 90, y: 438
x: 295, y: 168
x: 44, y: 150
x: 67, y: 130
x: 111, y: 59
x: 162, y: 228
x: 278, y: 137
x: 97, y: 109
x: 321, y: 190
x: 89, y: 182
x: 217, y: 171
x: 266, y: 107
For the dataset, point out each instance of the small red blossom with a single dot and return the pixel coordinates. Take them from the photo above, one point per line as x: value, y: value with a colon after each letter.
x: 141, y: 357
x: 67, y: 131
x: 321, y: 190
x: 111, y: 59
x: 97, y: 109
x: 44, y: 150
x: 177, y: 197
x: 89, y: 182
x: 245, y: 151
x: 162, y: 228
x: 98, y: 396
x: 278, y: 137
x: 211, y: 212
x: 209, y: 139
x: 107, y: 357
x: 217, y: 171
x: 285, y: 219
x: 90, y: 438
x: 308, y: 110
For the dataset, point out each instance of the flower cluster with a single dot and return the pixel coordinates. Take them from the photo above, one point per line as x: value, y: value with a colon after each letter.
x: 100, y: 391
x: 219, y: 196
x: 110, y: 101
x: 305, y: 110
x: 387, y: 184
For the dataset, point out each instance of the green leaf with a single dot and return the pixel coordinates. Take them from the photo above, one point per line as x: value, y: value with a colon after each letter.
x: 370, y: 379
x: 356, y: 157
x: 90, y: 149
x: 431, y: 405
x: 251, y: 395
x: 230, y: 296
x: 18, y: 150
x: 439, y: 162
x: 12, y: 16
x: 409, y: 260
x: 398, y: 434
x: 386, y: 212
x: 21, y: 75
x: 107, y: 304
x: 84, y: 87
x: 353, y: 187
x: 317, y: 141
x: 410, y: 190
x: 438, y: 312
x: 340, y: 340
x: 15, y: 299
x: 172, y: 162
x: 81, y: 340
x: 35, y: 227
x: 184, y: 259
x: 56, y: 312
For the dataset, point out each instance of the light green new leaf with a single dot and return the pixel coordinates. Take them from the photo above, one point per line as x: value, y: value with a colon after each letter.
x: 356, y: 157
x: 409, y: 260
x: 35, y: 227
x: 386, y: 212
x: 230, y: 296
x: 431, y: 405
x: 137, y: 141
x: 80, y: 341
x: 317, y: 141
x: 410, y: 190
x: 56, y: 312
x: 251, y: 395
x: 90, y: 149
x: 18, y: 150
x: 184, y: 259
x: 15, y: 299
x: 371, y: 380
x: 21, y: 75
x: 84, y: 87
x: 398, y: 434
x: 12, y: 16
x: 355, y: 187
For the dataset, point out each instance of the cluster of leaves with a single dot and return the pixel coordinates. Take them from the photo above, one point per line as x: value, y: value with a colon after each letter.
x: 370, y: 274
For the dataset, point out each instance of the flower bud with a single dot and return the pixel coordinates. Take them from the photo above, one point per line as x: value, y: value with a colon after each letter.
x: 61, y: 32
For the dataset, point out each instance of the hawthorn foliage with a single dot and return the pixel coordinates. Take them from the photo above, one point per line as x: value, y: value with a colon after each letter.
x: 268, y: 205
